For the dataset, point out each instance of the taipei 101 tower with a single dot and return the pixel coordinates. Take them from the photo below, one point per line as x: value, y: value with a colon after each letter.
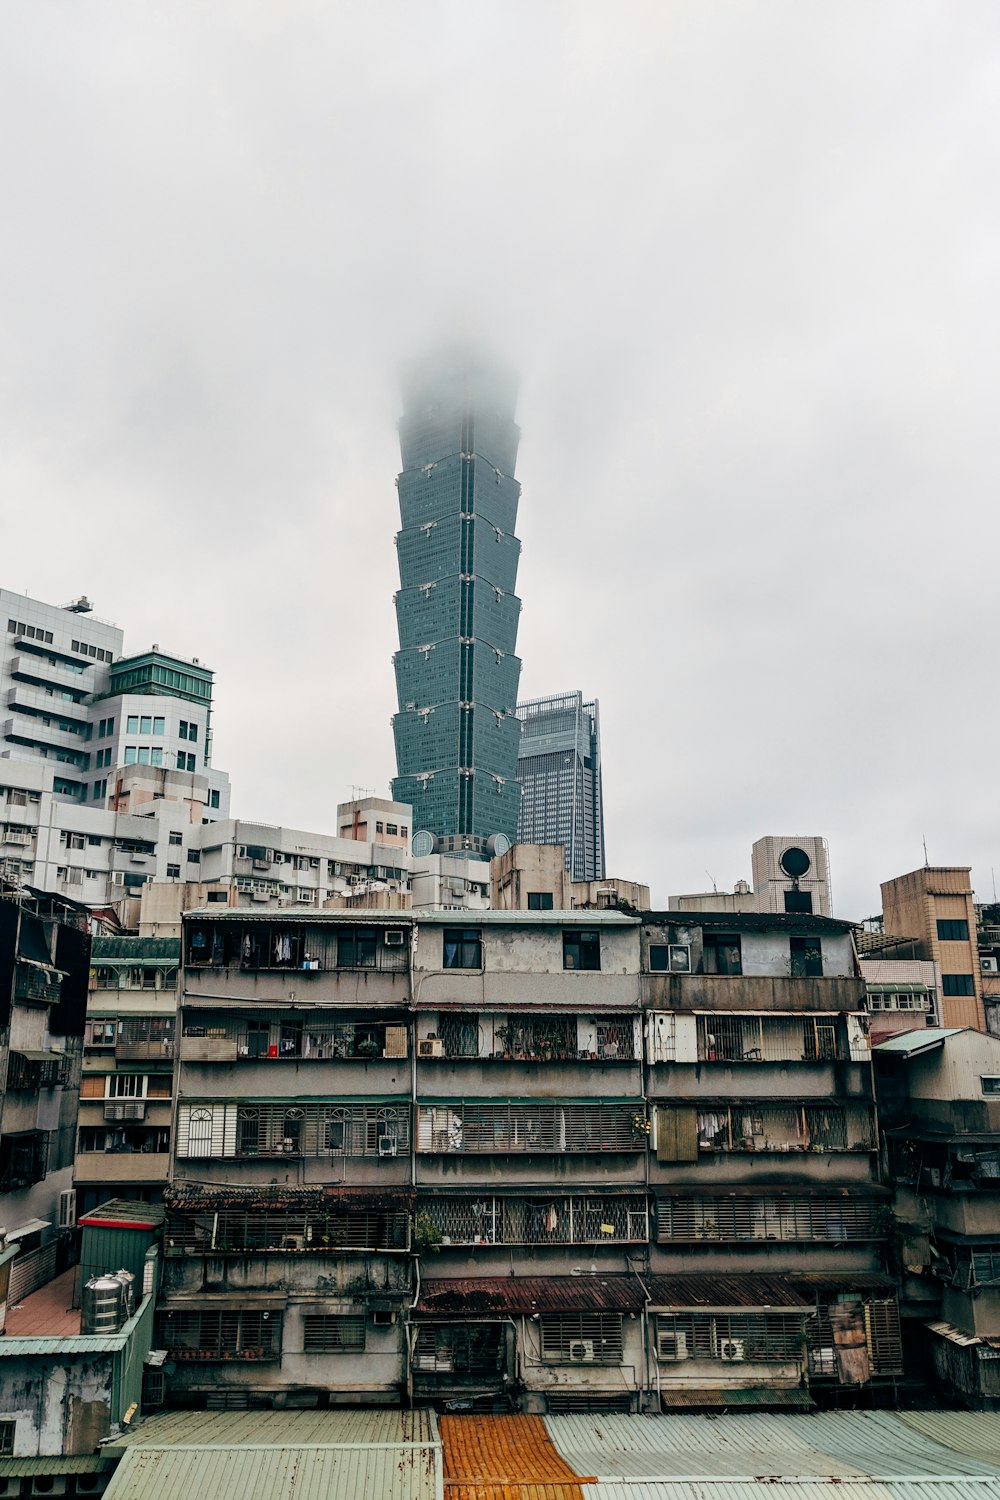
x: 457, y: 731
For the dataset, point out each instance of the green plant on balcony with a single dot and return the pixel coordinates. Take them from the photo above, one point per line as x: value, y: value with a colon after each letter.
x: 427, y: 1236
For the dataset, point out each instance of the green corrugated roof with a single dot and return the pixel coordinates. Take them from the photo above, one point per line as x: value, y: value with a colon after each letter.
x: 215, y: 1429
x: 908, y: 1043
x: 84, y: 1463
x: 136, y: 950
x: 255, y: 1473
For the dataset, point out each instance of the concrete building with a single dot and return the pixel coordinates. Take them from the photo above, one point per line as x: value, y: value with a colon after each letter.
x: 900, y: 993
x: 533, y: 877
x: 935, y: 907
x: 790, y: 874
x: 126, y: 1092
x: 939, y: 1100
x: 44, y: 967
x: 456, y: 730
x: 559, y: 769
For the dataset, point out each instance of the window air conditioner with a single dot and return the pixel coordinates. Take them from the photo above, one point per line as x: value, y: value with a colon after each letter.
x: 582, y: 1349
x: 393, y: 938
x: 988, y: 965
x: 67, y: 1209
x: 430, y: 1047
x: 731, y: 1350
x: 671, y: 1346
x: 134, y: 1109
x: 387, y: 1145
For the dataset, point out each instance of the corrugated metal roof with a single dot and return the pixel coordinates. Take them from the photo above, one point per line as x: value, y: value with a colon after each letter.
x: 975, y: 1432
x: 576, y: 917
x: 42, y: 1345
x: 351, y: 916
x: 287, y: 1473
x: 501, y: 1450
x: 722, y: 1291
x: 25, y: 1468
x: 749, y: 921
x: 921, y: 1039
x: 505, y: 1296
x: 844, y: 1281
x: 822, y: 1446
x: 737, y: 1397
x: 136, y: 950
x: 285, y: 1428
x: 121, y: 1211
x: 936, y: 1489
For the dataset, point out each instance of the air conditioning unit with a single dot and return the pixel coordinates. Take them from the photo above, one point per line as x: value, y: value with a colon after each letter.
x: 67, y: 1209
x: 393, y: 938
x: 114, y: 1111
x: 671, y: 1346
x: 582, y: 1349
x: 387, y: 1145
x: 134, y: 1109
x: 988, y: 965
x: 731, y: 1350
x: 430, y: 1047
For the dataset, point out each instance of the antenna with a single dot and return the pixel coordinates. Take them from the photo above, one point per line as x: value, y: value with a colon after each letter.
x: 926, y: 860
x: 715, y: 888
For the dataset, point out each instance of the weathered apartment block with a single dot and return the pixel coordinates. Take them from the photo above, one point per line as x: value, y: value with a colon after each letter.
x: 537, y: 1159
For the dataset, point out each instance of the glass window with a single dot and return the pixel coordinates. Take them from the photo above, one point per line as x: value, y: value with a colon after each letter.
x: 659, y: 958
x: 175, y: 837
x: 158, y: 726
x: 957, y: 984
x: 144, y: 755
x: 799, y: 901
x: 173, y: 872
x: 581, y: 949
x: 132, y: 724
x: 146, y: 724
x: 539, y: 900
x: 953, y: 931
x: 991, y: 1085
x: 130, y: 755
x: 723, y: 953
x: 156, y: 756
x: 806, y: 958
x: 463, y: 948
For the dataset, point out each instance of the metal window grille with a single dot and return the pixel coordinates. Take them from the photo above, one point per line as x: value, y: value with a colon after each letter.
x: 537, y: 1038
x: 245, y: 1334
x: 459, y: 1349
x: 23, y: 1160
x: 582, y: 1338
x: 749, y: 1038
x: 340, y: 1333
x: 225, y: 1129
x: 791, y: 1127
x: 7, y: 1434
x: 885, y: 1348
x: 778, y: 1217
x: 287, y: 945
x: 529, y: 1126
x: 217, y: 1229
x: 730, y: 1337
x: 539, y: 1220
x: 271, y: 1034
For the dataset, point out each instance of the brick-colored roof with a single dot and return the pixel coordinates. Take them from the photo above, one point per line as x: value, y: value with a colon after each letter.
x: 513, y: 1296
x: 504, y: 1458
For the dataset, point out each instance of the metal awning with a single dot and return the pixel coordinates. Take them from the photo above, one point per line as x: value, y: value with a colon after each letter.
x: 38, y: 1054
x: 749, y: 1396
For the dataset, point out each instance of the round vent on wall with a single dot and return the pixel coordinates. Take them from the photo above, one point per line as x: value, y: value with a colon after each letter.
x: 795, y: 862
x: 497, y: 843
x: 423, y: 843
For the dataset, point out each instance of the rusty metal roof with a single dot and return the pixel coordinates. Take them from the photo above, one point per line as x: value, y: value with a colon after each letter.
x: 772, y: 1292
x: 524, y: 1295
x: 841, y: 1281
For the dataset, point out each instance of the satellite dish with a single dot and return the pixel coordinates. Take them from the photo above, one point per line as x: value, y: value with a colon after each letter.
x: 795, y: 862
x: 497, y: 843
x: 423, y: 843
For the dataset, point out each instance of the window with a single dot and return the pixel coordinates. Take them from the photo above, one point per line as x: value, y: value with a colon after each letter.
x: 158, y: 725
x: 953, y: 931
x: 130, y: 754
x: 391, y: 828
x: 125, y: 1086
x: 582, y: 1338
x: 213, y: 799
x: 957, y: 984
x: 581, y: 949
x: 185, y: 761
x: 175, y: 837
x: 100, y: 790
x: 7, y: 1431
x: 799, y: 901
x: 194, y: 856
x: 173, y: 872
x: 403, y: 830
x: 991, y: 1086
x: 334, y: 1333
x: 659, y: 958
x: 539, y: 900
x: 463, y: 948
x: 723, y: 954
x: 806, y: 958
x: 132, y: 724
x: 379, y: 828
x: 356, y: 947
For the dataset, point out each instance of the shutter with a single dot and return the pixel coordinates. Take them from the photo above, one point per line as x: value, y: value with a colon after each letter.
x: 676, y: 1133
x: 218, y: 1130
x: 685, y: 1039
x: 183, y: 1129
x: 229, y: 1130
x: 662, y: 1039
x: 395, y: 1041
x: 884, y: 1342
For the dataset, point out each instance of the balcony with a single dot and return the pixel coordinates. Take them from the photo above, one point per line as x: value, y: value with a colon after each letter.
x: 524, y: 1037
x: 784, y: 1217
x: 687, y: 1131
x: 241, y: 1335
x: 284, y: 1223
x: 24, y: 729
x: 29, y: 667
x: 747, y: 1037
x: 292, y: 1041
x: 29, y: 701
x: 546, y: 1219
x: 752, y: 992
x: 528, y: 1127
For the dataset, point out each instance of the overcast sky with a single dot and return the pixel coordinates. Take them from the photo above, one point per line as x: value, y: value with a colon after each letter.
x: 745, y: 257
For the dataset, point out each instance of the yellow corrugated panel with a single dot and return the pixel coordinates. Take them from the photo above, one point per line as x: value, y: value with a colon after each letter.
x: 503, y: 1451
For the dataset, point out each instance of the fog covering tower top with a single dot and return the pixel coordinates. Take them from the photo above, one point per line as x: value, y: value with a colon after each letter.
x: 457, y: 731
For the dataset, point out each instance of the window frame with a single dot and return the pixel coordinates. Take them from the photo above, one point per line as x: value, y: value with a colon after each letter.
x: 586, y: 941
x: 462, y: 948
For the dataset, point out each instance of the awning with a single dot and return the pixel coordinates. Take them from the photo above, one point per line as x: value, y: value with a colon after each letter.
x: 757, y: 1395
x: 30, y: 1226
x: 38, y: 1055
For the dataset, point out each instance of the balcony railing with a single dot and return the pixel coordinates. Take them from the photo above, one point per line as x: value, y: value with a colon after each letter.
x: 782, y: 1217
x: 531, y: 1038
x: 754, y: 1338
x: 284, y: 1040
x: 795, y: 1127
x: 528, y: 1126
x: 230, y: 1230
x: 538, y: 1220
x: 263, y: 946
x: 746, y: 1037
x: 245, y: 1335
x: 220, y: 1129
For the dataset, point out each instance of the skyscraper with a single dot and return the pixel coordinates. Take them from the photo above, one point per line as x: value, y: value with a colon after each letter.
x: 456, y: 731
x: 559, y: 768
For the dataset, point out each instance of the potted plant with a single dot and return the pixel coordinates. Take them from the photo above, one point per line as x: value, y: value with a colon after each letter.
x: 368, y: 1047
x: 426, y: 1235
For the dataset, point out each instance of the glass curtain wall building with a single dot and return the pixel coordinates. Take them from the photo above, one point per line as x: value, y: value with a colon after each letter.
x: 457, y: 730
x: 559, y: 768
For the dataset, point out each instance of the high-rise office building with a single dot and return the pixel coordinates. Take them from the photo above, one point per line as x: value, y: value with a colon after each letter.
x: 559, y: 768
x: 456, y: 731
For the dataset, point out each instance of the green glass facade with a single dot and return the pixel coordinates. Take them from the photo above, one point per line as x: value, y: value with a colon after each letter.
x: 457, y: 674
